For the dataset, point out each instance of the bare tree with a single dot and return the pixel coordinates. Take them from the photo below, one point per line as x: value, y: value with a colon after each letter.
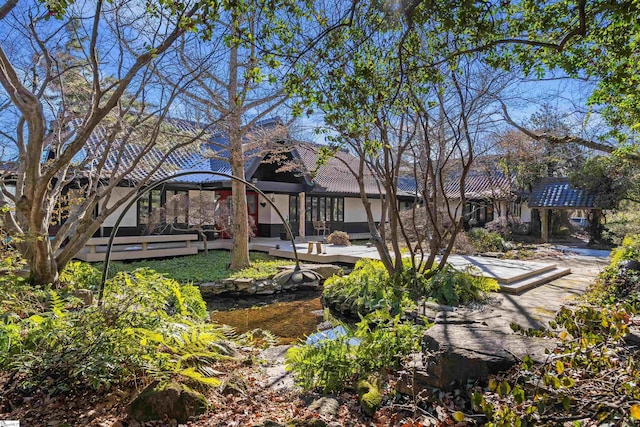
x: 246, y: 74
x: 88, y: 113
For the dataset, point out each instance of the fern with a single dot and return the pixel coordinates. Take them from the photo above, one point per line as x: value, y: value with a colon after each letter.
x: 57, y: 304
x: 149, y: 325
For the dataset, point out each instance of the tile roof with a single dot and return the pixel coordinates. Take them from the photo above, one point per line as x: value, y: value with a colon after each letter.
x: 210, y: 154
x: 484, y: 180
x: 207, y: 152
x: 480, y: 185
x: 559, y: 193
x: 334, y: 175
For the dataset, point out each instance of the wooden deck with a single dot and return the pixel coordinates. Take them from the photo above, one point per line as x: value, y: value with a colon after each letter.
x: 139, y: 247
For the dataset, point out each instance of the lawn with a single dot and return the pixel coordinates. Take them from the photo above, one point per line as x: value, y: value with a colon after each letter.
x: 206, y: 268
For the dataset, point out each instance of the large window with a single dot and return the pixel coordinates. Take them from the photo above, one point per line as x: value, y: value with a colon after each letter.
x: 324, y: 208
x: 478, y: 212
x: 155, y: 208
x: 149, y: 207
x: 515, y: 209
x: 176, y: 207
x: 294, y: 203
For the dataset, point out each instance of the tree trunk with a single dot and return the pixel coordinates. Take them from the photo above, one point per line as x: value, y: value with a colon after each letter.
x: 240, y: 223
x: 44, y: 269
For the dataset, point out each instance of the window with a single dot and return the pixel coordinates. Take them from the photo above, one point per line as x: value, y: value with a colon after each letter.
x: 175, y: 204
x: 149, y: 207
x: 252, y: 203
x: 176, y: 207
x: 294, y: 203
x: 65, y: 204
x: 201, y: 207
x: 481, y: 212
x: 489, y: 210
x: 515, y: 209
x: 324, y: 208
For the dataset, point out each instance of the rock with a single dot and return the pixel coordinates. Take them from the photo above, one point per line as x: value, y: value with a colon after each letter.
x: 269, y: 423
x: 210, y: 288
x: 493, y: 254
x: 277, y: 377
x: 325, y: 406
x: 633, y: 337
x: 325, y: 270
x: 233, y: 385
x: 323, y: 326
x: 455, y: 353
x: 437, y: 307
x: 173, y: 400
x: 242, y: 285
x: 85, y: 295
x: 274, y: 354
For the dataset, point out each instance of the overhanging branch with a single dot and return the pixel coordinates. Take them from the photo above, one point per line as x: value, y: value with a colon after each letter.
x: 565, y: 139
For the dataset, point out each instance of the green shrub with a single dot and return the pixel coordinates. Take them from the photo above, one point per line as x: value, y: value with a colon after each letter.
x: 368, y: 288
x: 486, y: 241
x: 378, y: 342
x: 77, y: 275
x: 148, y: 326
x: 453, y: 287
x: 155, y: 292
x: 628, y: 250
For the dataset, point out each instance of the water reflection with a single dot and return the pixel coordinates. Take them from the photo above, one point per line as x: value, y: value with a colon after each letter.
x: 289, y: 317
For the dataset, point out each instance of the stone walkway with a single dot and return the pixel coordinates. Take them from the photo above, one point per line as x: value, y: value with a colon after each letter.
x: 536, y: 307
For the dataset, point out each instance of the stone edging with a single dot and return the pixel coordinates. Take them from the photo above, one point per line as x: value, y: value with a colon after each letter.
x: 251, y: 287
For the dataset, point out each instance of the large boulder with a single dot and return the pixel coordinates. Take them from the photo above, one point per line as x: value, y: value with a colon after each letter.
x: 457, y: 352
x: 173, y: 400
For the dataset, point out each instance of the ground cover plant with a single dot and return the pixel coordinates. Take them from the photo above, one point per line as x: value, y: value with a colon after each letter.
x: 211, y: 267
x: 149, y: 327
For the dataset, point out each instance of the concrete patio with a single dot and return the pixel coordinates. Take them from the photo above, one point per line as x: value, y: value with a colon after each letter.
x: 513, y: 276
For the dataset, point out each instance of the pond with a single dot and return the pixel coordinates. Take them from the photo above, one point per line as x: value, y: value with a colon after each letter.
x: 289, y: 317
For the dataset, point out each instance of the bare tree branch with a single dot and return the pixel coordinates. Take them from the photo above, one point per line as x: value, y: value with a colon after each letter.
x: 565, y: 139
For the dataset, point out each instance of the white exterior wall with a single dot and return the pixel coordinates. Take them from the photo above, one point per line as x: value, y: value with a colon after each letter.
x: 131, y: 217
x: 268, y: 215
x: 354, y: 209
x: 282, y: 203
x: 455, y: 208
x: 525, y: 215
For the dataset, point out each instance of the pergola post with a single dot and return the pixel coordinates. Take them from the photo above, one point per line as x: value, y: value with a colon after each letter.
x: 302, y: 217
x: 544, y: 225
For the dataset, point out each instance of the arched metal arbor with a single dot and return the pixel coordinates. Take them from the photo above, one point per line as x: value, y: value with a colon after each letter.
x: 296, y: 276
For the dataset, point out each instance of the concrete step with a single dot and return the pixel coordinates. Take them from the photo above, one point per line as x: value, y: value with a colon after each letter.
x: 541, y: 270
x: 533, y: 281
x: 505, y: 271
